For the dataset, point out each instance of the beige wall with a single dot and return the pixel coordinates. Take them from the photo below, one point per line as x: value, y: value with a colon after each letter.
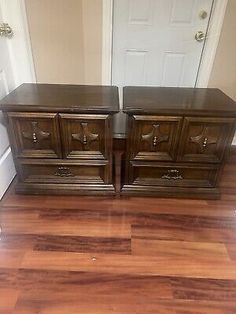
x: 223, y: 74
x: 66, y: 39
x: 92, y: 26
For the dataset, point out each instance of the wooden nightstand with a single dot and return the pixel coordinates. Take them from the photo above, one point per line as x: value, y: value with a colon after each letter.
x: 177, y: 140
x: 61, y: 137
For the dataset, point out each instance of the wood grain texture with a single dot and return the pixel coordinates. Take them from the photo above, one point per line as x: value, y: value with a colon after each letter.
x: 60, y: 97
x: 105, y: 255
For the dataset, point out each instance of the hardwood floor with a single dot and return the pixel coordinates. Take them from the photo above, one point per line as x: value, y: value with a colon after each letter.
x: 97, y: 255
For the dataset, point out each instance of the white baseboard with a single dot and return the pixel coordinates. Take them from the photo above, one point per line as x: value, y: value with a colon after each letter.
x: 234, y: 140
x: 7, y: 171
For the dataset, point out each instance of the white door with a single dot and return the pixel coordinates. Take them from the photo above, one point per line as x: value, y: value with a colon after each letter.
x: 154, y: 43
x: 7, y: 83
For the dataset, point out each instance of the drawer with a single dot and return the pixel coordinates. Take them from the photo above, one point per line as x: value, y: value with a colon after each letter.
x: 182, y: 175
x: 154, y: 137
x: 48, y: 171
x: 35, y: 135
x: 86, y: 136
x: 205, y: 139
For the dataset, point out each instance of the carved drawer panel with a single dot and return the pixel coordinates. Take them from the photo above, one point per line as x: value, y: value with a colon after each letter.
x: 35, y: 134
x: 154, y: 137
x: 86, y: 136
x: 182, y: 175
x: 32, y: 171
x: 205, y: 139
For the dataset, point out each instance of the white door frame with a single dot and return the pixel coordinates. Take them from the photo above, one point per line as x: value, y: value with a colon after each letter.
x: 19, y: 50
x: 209, y: 51
x: 107, y: 36
x: 19, y: 46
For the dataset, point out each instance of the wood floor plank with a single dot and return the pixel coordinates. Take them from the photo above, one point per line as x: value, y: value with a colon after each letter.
x: 160, y: 307
x: 125, y: 264
x: 231, y: 248
x: 162, y: 248
x: 8, y: 278
x: 11, y: 258
x: 8, y: 299
x: 19, y: 242
x: 73, y: 227
x: 190, y: 221
x: 185, y: 233
x: 83, y: 244
x: 95, y: 287
x: 204, y: 289
x: 132, y: 207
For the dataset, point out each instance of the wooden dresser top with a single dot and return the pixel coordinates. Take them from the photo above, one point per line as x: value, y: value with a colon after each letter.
x: 62, y: 98
x: 178, y: 101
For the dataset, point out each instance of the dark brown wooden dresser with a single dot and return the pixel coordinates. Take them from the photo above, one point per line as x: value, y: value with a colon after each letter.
x: 178, y: 139
x: 61, y: 137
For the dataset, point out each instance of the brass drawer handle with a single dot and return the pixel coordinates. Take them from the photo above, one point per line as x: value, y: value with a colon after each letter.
x: 63, y: 172
x: 35, y: 139
x: 172, y: 174
x: 205, y: 142
x: 85, y: 137
x: 154, y: 143
x: 85, y: 141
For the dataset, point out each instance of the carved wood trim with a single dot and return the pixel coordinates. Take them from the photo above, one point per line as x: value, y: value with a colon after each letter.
x: 37, y: 135
x: 155, y: 137
x: 203, y: 140
x: 172, y: 174
x: 63, y: 172
x: 85, y: 137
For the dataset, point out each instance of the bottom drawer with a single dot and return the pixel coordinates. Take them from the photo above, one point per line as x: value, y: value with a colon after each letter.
x: 182, y: 175
x: 51, y: 171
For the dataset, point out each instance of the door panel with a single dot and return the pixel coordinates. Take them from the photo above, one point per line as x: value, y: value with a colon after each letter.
x: 154, y: 137
x: 86, y: 136
x: 204, y: 139
x: 35, y: 134
x: 154, y: 43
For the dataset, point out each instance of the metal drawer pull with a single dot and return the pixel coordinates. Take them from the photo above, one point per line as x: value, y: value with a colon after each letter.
x: 172, y: 174
x: 63, y: 172
x: 154, y: 141
x: 205, y: 142
x: 85, y: 140
x: 35, y: 140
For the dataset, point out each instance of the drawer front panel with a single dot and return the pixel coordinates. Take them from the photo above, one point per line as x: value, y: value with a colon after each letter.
x: 86, y: 136
x: 35, y: 135
x: 154, y: 137
x: 172, y: 175
x: 205, y: 139
x: 80, y: 173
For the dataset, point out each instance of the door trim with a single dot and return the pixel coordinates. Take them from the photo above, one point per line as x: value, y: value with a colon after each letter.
x: 212, y: 41
x: 209, y: 51
x: 19, y: 46
x: 7, y: 171
x: 107, y: 37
